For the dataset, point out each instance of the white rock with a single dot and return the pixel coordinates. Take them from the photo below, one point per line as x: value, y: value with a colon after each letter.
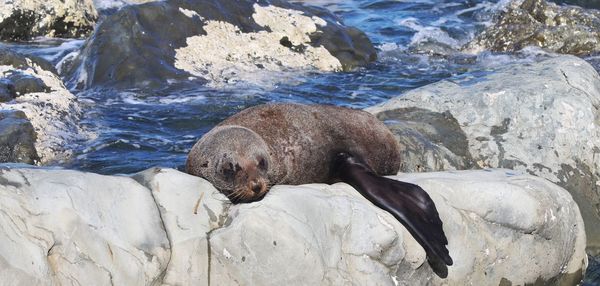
x: 238, y: 56
x: 190, y: 208
x: 64, y: 227
x: 55, y: 115
x: 540, y: 118
x: 178, y: 230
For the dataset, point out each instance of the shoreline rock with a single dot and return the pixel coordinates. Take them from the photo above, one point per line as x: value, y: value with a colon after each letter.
x: 164, y: 226
x: 171, y: 39
x: 546, y: 125
x: 51, y: 109
x: 26, y: 19
x: 560, y: 29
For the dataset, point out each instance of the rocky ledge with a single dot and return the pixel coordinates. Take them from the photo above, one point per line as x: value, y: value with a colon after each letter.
x: 26, y: 19
x: 39, y: 117
x: 162, y: 226
x: 219, y: 42
x: 540, y: 118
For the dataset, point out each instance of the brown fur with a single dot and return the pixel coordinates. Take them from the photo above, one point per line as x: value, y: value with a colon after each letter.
x: 297, y: 143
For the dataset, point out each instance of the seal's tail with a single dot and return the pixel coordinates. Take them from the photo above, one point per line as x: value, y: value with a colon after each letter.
x: 408, y: 203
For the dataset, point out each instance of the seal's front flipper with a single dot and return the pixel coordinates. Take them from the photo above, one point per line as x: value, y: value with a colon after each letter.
x: 408, y: 203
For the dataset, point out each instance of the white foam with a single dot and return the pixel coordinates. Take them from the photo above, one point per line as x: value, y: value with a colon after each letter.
x: 428, y: 33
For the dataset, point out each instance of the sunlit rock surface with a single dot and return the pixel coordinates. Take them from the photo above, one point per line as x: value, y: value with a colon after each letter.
x: 26, y: 19
x: 162, y: 226
x: 540, y: 118
x: 561, y: 29
x: 217, y: 42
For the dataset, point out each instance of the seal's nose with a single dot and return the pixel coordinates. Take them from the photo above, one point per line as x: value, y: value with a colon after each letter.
x: 256, y: 187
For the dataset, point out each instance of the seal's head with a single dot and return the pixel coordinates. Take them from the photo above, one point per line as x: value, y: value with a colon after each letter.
x: 235, y: 160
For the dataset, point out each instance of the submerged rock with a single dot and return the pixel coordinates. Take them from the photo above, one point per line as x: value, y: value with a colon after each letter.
x: 176, y: 229
x: 156, y: 43
x: 562, y: 29
x: 17, y: 138
x: 54, y: 113
x: 26, y: 19
x: 546, y: 125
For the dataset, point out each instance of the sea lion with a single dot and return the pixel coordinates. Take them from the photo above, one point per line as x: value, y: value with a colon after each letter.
x: 297, y: 144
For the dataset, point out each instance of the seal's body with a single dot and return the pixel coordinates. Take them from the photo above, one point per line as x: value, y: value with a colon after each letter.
x: 297, y: 144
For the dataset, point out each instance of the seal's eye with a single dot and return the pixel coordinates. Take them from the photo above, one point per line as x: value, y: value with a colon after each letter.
x: 204, y: 165
x: 262, y: 163
x: 228, y: 170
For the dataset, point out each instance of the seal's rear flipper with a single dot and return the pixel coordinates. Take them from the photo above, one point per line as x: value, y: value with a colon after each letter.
x: 408, y: 203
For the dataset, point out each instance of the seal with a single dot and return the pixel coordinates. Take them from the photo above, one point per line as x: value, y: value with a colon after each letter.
x: 297, y: 144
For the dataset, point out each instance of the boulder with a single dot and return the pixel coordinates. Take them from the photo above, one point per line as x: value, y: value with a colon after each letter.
x: 162, y: 226
x: 214, y: 41
x: 26, y: 19
x: 561, y: 29
x: 17, y: 138
x: 26, y: 85
x: 546, y: 125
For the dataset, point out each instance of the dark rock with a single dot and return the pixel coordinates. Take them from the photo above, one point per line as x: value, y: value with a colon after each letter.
x: 135, y: 47
x: 25, y: 19
x: 562, y: 29
x: 7, y: 90
x: 23, y: 83
x: 17, y: 138
x: 19, y: 61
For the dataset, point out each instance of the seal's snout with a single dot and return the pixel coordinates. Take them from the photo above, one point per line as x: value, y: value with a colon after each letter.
x: 256, y: 187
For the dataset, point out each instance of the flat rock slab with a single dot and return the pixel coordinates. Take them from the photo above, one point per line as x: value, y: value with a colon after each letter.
x: 162, y: 226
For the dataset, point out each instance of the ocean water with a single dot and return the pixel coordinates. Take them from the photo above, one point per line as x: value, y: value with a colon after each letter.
x: 418, y: 43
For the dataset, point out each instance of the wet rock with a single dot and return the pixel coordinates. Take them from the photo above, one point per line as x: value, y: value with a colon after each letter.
x: 176, y: 229
x: 562, y: 29
x: 17, y: 138
x: 7, y: 90
x: 24, y: 83
x: 156, y: 43
x: 546, y: 125
x: 54, y: 113
x: 26, y: 19
x: 19, y: 61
